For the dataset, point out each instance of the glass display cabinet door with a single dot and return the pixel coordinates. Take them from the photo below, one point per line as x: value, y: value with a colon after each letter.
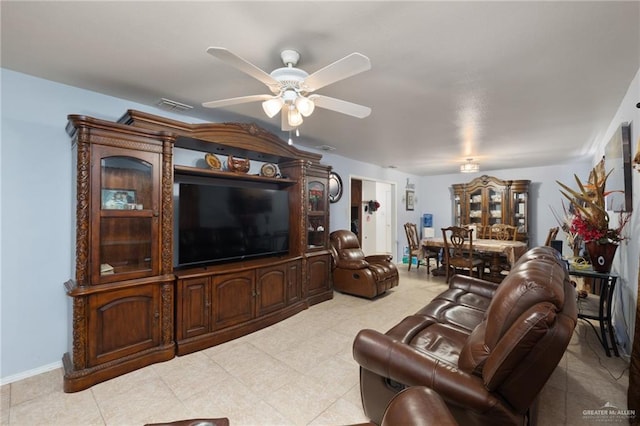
x: 519, y: 211
x: 494, y: 213
x: 316, y: 226
x: 125, y: 243
x: 475, y: 207
x: 457, y: 211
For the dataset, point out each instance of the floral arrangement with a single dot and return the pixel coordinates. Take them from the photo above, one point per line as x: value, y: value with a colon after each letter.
x: 587, y: 217
x: 573, y: 239
x: 373, y: 205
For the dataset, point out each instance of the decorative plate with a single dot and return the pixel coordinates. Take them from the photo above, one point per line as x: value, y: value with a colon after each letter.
x: 268, y: 170
x: 213, y: 161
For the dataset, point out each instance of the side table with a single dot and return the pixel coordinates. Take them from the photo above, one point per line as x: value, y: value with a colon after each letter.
x: 603, y: 285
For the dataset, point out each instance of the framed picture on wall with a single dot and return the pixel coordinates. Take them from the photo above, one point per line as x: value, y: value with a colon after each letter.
x: 410, y: 197
x: 618, y: 164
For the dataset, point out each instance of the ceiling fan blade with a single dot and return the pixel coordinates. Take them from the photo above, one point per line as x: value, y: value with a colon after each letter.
x: 235, y: 101
x: 341, y: 106
x: 285, y: 121
x: 244, y: 66
x: 343, y: 68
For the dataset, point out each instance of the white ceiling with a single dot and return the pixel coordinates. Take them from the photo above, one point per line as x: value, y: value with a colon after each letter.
x: 511, y: 84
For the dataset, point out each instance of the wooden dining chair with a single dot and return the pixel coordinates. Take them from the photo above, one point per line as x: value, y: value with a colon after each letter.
x: 415, y: 248
x: 553, y: 232
x: 482, y: 231
x: 458, y: 251
x: 501, y: 231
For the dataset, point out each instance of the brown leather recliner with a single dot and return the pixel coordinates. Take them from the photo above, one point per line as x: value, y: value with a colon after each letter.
x: 488, y: 365
x: 357, y: 274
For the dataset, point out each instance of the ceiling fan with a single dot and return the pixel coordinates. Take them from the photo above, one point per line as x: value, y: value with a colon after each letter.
x: 292, y: 88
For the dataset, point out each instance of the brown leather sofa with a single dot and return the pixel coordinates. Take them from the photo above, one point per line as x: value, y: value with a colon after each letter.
x: 357, y: 274
x: 487, y: 349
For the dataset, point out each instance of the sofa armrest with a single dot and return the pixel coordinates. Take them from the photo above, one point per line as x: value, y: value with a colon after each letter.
x: 379, y: 258
x: 390, y: 358
x: 474, y: 285
x: 418, y: 405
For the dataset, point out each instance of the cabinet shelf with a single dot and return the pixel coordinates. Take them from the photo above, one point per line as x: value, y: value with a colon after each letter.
x: 195, y: 171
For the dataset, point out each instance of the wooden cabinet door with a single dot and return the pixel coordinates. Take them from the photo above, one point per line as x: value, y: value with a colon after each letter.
x: 234, y: 298
x: 294, y: 282
x: 271, y: 289
x: 318, y: 270
x: 123, y: 322
x: 194, y: 307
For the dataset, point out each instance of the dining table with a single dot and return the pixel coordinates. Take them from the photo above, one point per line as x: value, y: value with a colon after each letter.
x: 496, y: 251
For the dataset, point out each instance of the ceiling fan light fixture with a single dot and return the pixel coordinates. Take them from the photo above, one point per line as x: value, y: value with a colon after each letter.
x: 272, y: 106
x: 304, y: 105
x: 469, y: 166
x: 294, y: 118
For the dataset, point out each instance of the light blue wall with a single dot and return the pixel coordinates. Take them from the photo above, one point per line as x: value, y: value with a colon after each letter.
x: 625, y: 264
x: 38, y: 215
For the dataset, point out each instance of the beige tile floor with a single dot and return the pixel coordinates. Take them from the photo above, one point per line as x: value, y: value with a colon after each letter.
x: 297, y: 372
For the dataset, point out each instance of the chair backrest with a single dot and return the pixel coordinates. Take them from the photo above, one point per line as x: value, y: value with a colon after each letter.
x: 525, y: 332
x: 503, y: 232
x: 411, y: 230
x: 458, y: 242
x: 345, y: 248
x: 553, y: 232
x: 482, y: 231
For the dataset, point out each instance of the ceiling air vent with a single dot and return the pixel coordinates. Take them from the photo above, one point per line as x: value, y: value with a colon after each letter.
x: 326, y: 147
x: 173, y: 105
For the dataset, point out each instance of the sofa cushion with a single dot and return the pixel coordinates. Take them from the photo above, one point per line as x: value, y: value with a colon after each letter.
x: 448, y: 312
x: 528, y: 285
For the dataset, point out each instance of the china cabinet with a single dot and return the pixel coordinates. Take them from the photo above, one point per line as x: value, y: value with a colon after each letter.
x: 487, y: 201
x: 123, y: 288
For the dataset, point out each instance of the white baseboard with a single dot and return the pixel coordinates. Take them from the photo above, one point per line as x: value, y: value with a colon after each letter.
x: 30, y: 373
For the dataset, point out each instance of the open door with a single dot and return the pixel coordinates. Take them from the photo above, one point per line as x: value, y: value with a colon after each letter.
x: 376, y: 228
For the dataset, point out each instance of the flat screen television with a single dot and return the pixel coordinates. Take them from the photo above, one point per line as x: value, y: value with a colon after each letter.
x: 229, y: 222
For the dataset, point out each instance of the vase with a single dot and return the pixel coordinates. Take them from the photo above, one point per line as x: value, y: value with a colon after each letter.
x: 601, y: 255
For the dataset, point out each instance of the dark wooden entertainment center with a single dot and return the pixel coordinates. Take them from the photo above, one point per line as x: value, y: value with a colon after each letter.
x: 131, y: 306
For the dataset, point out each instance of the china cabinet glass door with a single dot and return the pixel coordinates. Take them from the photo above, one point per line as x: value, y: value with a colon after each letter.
x: 457, y: 210
x: 519, y: 211
x: 475, y: 207
x: 494, y: 213
x: 316, y: 226
x: 125, y: 240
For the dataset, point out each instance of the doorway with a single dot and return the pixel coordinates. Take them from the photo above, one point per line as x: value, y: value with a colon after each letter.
x: 375, y: 227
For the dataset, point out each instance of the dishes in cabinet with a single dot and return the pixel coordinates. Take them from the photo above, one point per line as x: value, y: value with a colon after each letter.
x: 212, y: 161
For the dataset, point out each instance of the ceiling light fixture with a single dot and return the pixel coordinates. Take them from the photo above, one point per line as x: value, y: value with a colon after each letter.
x: 291, y: 102
x: 272, y: 106
x: 294, y: 118
x: 469, y: 166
